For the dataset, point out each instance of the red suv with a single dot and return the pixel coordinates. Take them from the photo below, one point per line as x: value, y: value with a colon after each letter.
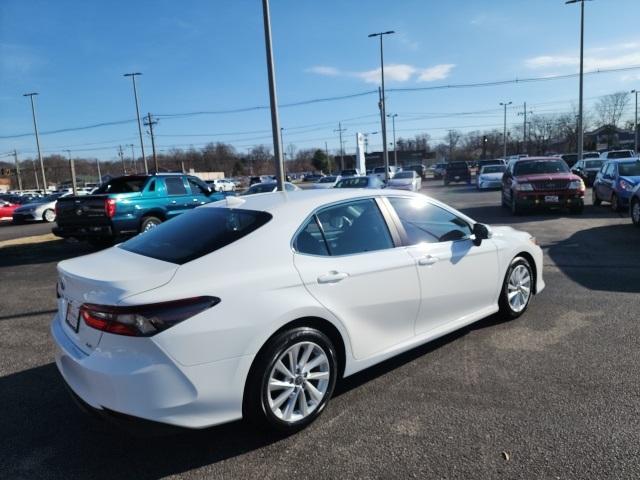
x: 541, y: 182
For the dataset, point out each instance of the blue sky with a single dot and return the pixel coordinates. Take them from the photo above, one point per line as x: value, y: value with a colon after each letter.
x: 199, y: 55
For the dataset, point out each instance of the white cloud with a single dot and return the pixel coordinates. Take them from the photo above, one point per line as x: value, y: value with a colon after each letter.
x: 437, y: 72
x: 392, y: 72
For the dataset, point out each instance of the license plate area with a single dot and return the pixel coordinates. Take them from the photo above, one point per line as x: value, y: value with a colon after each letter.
x: 551, y: 199
x: 72, y: 316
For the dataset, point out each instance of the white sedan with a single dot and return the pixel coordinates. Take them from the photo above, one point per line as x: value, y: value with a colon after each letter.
x: 222, y: 185
x: 490, y: 176
x: 255, y: 306
x: 327, y: 182
x: 406, y: 180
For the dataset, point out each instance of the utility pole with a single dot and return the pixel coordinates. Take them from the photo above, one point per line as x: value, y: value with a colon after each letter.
x: 284, y: 154
x: 72, y: 169
x: 121, y: 155
x: 35, y: 128
x: 636, y: 122
x: 133, y: 158
x: 395, y: 150
x: 525, y: 142
x: 135, y: 96
x: 504, y: 134
x: 99, y: 174
x: 326, y: 152
x: 340, y: 130
x: 150, y: 123
x: 273, y: 98
x: 35, y: 174
x: 15, y: 156
x: 580, y: 101
x: 382, y: 104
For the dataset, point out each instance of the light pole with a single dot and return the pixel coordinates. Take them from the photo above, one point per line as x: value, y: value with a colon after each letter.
x: 133, y: 159
x: 135, y: 96
x: 340, y: 130
x: 150, y: 123
x: 580, y: 101
x: 636, y: 121
x: 504, y: 132
x: 19, y: 177
x: 382, y: 104
x: 395, y: 150
x: 72, y: 169
x: 524, y: 128
x: 99, y: 174
x: 35, y: 128
x: 273, y: 98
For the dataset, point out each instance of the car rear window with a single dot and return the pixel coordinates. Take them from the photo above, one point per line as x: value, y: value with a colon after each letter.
x: 494, y: 169
x: 122, y: 185
x: 405, y: 174
x: 593, y: 164
x: 457, y: 166
x: 196, y: 233
x: 355, y: 182
x: 620, y: 154
x: 540, y: 166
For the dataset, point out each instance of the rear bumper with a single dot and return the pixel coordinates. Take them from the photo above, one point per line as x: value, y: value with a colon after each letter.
x: 85, y: 231
x: 134, y: 377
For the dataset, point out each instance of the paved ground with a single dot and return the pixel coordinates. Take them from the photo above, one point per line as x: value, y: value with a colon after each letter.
x: 553, y: 394
x: 9, y: 231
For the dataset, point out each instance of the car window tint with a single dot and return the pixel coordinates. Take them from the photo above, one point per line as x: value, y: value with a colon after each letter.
x: 196, y: 188
x: 152, y: 186
x: 428, y: 223
x: 354, y: 182
x: 175, y: 186
x: 289, y: 187
x: 354, y: 227
x: 123, y: 185
x: 629, y: 169
x: 195, y: 234
x: 310, y: 240
x: 540, y: 166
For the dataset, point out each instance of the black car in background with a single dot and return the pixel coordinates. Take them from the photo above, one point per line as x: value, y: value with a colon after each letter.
x: 457, y: 172
x: 587, y: 170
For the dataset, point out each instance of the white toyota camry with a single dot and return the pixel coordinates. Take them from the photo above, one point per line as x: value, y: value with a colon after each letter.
x: 255, y: 306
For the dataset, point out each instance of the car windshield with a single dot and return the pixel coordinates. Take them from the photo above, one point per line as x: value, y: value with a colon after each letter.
x: 327, y: 180
x: 357, y: 182
x: 408, y: 174
x: 620, y: 154
x: 629, y: 169
x: 260, y: 188
x: 494, y: 169
x: 533, y: 167
x: 457, y: 166
x: 123, y: 185
x: 591, y: 155
x: 195, y: 234
x: 593, y: 164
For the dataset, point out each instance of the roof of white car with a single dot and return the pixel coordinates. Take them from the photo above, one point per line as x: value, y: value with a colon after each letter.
x: 300, y: 200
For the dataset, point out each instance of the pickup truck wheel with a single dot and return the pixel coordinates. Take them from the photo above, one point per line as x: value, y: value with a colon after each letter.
x: 149, y: 223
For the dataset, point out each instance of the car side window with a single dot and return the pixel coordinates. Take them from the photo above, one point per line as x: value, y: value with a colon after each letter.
x: 354, y: 227
x: 310, y: 240
x: 175, y: 186
x: 196, y: 188
x: 424, y: 222
x: 288, y: 187
x: 152, y: 186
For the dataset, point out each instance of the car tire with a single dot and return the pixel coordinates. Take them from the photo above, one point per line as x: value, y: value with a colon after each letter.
x: 634, y: 211
x: 514, y: 298
x: 273, y: 396
x: 49, y: 215
x: 615, y: 203
x: 149, y: 223
x: 515, y: 209
x: 594, y: 197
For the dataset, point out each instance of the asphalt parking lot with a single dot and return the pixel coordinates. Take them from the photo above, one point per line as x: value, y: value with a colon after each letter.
x: 553, y: 394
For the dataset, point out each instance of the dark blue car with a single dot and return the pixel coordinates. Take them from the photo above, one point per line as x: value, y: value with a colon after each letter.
x: 615, y: 182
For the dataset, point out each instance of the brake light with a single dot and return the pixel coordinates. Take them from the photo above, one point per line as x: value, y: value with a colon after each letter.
x: 110, y: 207
x: 143, y: 320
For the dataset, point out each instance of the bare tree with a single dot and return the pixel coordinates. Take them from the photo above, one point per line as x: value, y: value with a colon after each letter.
x: 453, y: 137
x: 610, y: 108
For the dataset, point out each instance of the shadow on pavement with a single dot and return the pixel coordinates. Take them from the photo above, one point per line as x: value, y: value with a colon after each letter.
x: 45, y: 252
x: 496, y: 214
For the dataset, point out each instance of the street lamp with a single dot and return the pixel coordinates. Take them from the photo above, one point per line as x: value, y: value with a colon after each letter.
x: 580, y: 102
x: 504, y: 134
x: 395, y: 149
x: 35, y: 128
x: 636, y: 121
x: 382, y: 104
x: 273, y: 98
x: 133, y: 76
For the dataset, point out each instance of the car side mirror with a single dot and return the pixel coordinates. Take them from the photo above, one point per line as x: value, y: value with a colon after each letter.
x: 480, y: 232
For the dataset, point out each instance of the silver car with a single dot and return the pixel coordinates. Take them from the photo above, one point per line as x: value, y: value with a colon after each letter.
x: 41, y: 209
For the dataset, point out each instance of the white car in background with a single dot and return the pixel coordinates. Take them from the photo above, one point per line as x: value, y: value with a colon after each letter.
x: 379, y: 172
x: 317, y: 286
x: 222, y: 185
x: 405, y: 180
x: 490, y: 176
x: 327, y: 182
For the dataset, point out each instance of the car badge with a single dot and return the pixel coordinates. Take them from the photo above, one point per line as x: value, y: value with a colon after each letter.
x: 79, y: 211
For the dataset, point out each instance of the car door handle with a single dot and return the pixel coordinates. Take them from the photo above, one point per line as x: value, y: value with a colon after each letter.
x: 332, y: 277
x: 428, y: 260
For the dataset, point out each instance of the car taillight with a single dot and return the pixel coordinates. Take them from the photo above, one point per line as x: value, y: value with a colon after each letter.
x: 110, y: 207
x: 143, y: 320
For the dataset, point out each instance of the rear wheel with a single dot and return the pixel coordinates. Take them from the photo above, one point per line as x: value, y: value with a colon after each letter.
x: 635, y: 212
x: 149, y: 223
x: 48, y: 215
x: 517, y: 289
x: 594, y: 197
x: 291, y: 380
x: 515, y: 208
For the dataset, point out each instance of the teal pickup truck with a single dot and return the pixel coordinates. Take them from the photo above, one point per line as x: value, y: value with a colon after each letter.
x: 129, y: 205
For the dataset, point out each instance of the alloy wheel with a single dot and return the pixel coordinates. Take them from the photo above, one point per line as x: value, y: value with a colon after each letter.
x: 49, y: 216
x: 298, y: 381
x: 519, y: 288
x: 635, y: 212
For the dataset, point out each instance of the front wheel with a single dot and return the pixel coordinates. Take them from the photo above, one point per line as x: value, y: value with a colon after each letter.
x: 291, y: 380
x: 48, y: 215
x: 615, y: 203
x: 517, y: 289
x: 635, y: 212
